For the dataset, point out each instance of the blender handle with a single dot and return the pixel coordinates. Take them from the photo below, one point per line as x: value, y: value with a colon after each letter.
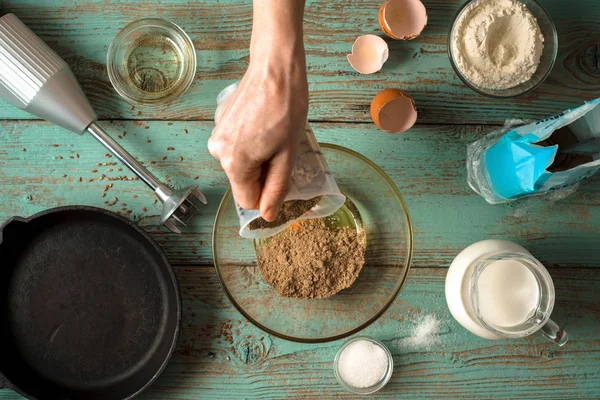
x: 554, y: 332
x: 35, y: 79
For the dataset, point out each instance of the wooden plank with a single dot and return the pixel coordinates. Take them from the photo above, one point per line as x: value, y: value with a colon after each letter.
x: 80, y: 31
x: 222, y: 356
x: 427, y: 164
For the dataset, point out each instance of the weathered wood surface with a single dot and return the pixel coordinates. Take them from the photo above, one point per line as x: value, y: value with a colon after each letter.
x: 222, y: 356
x: 80, y: 31
x: 427, y: 164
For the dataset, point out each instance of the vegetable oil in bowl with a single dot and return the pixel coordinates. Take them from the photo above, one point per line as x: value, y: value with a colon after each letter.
x: 154, y: 64
x: 151, y: 61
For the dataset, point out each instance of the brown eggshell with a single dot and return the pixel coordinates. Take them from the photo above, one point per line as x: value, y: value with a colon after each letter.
x: 402, y: 19
x: 393, y: 111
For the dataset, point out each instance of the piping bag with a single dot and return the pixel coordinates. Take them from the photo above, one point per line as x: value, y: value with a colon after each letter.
x: 311, y: 178
x: 552, y: 155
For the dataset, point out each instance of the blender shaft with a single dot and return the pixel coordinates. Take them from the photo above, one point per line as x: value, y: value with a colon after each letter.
x: 123, y: 156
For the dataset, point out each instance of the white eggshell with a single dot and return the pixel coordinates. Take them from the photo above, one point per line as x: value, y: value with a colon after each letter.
x: 369, y: 53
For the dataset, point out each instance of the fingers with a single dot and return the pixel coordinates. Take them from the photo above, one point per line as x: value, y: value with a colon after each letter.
x: 276, y: 186
x: 246, y: 191
x: 244, y: 175
x: 215, y: 146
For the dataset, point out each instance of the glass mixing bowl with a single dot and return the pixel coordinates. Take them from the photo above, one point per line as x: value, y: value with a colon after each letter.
x: 547, y: 60
x: 375, y: 205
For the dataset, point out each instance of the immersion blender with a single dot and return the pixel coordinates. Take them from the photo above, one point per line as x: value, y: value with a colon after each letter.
x: 35, y: 79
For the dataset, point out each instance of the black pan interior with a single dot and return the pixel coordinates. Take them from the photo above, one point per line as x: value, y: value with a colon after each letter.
x: 89, y: 306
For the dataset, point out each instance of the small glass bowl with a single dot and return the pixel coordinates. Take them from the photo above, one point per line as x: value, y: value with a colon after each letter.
x: 151, y: 61
x: 547, y: 59
x: 371, y: 389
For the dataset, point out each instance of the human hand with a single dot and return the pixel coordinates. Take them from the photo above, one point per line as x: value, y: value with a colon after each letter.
x: 257, y: 136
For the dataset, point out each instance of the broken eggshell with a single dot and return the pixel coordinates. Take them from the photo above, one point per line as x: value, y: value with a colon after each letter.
x: 402, y: 19
x: 393, y: 111
x: 369, y: 53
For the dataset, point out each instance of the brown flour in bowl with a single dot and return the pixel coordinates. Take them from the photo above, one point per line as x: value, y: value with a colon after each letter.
x: 312, y: 260
x: 290, y: 210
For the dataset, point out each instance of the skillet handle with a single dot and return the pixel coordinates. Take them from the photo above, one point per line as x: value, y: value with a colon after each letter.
x: 3, y: 227
x: 4, y: 383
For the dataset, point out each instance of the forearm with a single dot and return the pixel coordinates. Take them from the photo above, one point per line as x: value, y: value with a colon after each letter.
x: 277, y: 30
x: 257, y: 142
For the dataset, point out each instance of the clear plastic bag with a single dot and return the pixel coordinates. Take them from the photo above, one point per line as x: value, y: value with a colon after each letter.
x: 528, y: 158
x: 311, y: 178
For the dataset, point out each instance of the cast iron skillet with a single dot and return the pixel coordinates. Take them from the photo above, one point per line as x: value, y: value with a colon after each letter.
x: 89, y: 306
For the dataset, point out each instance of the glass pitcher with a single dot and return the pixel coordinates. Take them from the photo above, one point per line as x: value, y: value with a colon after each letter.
x: 538, y: 313
x: 497, y: 290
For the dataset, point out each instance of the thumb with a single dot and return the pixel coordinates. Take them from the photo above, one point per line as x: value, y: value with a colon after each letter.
x: 277, y: 183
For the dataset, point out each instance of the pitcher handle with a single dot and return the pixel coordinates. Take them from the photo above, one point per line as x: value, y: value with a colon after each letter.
x: 555, y: 333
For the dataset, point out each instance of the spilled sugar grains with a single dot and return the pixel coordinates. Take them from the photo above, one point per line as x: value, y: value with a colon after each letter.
x: 424, y: 335
x: 312, y: 260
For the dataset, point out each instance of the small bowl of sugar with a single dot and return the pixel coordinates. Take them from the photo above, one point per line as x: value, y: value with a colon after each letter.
x: 363, y: 365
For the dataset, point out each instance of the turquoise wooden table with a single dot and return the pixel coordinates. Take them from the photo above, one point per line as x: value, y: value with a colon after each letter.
x: 221, y: 355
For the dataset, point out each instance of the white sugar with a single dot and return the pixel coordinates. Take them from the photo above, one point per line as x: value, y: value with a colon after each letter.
x: 424, y: 335
x: 362, y: 364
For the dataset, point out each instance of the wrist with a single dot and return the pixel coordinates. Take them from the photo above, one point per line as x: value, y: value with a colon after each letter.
x: 277, y: 31
x: 289, y: 57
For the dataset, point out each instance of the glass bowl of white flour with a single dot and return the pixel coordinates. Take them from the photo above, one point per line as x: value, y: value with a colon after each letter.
x: 502, y: 48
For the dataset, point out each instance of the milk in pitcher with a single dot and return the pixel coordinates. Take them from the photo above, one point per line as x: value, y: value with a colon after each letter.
x: 497, y: 289
x: 508, y: 293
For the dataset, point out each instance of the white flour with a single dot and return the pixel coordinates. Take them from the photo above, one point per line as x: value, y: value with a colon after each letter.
x: 497, y: 44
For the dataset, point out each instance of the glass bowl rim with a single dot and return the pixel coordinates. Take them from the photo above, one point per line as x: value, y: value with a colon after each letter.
x: 499, y: 95
x: 188, y: 78
x: 377, y: 315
